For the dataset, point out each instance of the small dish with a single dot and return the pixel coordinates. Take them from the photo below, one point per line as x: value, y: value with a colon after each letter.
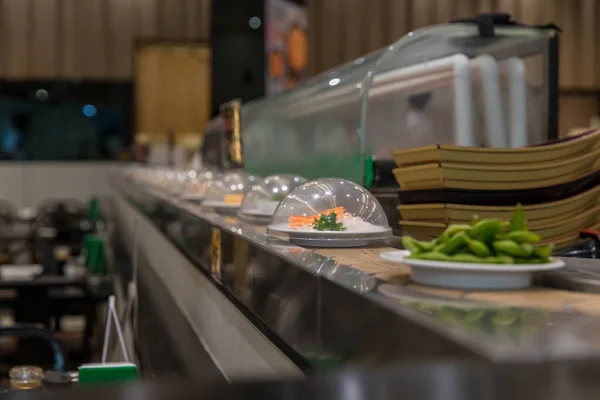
x: 196, y: 184
x: 226, y: 193
x: 471, y: 276
x: 263, y: 198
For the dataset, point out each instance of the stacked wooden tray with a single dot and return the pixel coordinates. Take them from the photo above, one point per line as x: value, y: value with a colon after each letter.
x: 558, y: 183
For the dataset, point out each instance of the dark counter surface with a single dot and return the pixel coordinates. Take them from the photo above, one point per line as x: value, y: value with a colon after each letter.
x: 418, y: 381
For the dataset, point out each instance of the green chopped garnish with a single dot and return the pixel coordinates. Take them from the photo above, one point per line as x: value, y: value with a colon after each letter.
x: 328, y: 223
x: 277, y: 197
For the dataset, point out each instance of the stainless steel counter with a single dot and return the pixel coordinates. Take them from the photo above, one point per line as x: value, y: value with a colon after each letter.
x: 322, y: 314
x: 414, y: 381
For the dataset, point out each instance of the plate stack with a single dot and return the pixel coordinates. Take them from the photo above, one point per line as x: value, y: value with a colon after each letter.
x: 558, y: 184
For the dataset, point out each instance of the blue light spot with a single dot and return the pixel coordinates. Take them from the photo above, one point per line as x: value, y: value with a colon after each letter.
x: 88, y: 110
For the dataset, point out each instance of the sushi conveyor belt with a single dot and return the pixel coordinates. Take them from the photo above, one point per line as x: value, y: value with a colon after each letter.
x: 316, y: 305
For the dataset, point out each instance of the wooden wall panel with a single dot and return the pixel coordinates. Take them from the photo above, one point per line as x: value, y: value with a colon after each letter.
x: 511, y: 7
x: 315, y: 35
x: 120, y: 38
x: 91, y: 33
x: 377, y: 34
x: 570, y: 43
x: 466, y: 8
x: 15, y: 20
x: 589, y: 48
x: 90, y: 39
x: 422, y: 14
x: 44, y: 34
x: 445, y: 10
x: 146, y: 16
x: 333, y: 19
x: 174, y: 19
x: 485, y: 6
x: 355, y: 43
x: 576, y: 111
x: 68, y: 68
x: 597, y: 58
x: 205, y: 14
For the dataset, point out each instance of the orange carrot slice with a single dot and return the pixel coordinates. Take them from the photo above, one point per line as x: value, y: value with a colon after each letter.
x: 300, y: 220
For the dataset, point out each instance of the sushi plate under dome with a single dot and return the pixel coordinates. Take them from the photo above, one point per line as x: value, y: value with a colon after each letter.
x: 330, y: 212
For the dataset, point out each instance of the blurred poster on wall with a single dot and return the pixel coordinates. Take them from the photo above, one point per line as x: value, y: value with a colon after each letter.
x: 286, y: 44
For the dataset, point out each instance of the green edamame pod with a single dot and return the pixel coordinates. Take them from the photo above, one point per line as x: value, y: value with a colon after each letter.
x: 478, y: 248
x: 411, y: 245
x: 529, y: 260
x: 523, y: 237
x: 426, y: 246
x: 504, y: 259
x: 431, y: 256
x: 454, y: 229
x: 485, y: 230
x: 517, y: 222
x: 452, y: 245
x: 466, y: 258
x: 543, y: 252
x: 500, y: 236
x: 527, y: 249
x: 510, y: 247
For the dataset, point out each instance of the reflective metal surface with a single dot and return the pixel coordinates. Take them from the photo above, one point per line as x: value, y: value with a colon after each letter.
x: 581, y: 274
x: 414, y: 381
x: 317, y: 309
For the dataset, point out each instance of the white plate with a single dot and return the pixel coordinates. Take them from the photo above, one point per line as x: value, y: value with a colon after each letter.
x: 373, y: 230
x: 267, y: 206
x: 191, y: 197
x: 221, y: 207
x: 256, y: 213
x: 254, y: 218
x: 313, y: 238
x: 458, y: 275
x: 220, y: 204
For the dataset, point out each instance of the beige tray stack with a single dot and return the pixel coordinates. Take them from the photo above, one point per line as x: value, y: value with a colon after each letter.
x: 455, y: 167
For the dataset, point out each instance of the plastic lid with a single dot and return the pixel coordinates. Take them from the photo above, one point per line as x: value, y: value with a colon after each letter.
x: 358, y: 214
x: 175, y: 180
x: 228, y: 190
x: 263, y: 198
x: 196, y: 184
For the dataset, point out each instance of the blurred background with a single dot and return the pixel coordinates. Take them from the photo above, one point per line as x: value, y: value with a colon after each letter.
x: 80, y: 80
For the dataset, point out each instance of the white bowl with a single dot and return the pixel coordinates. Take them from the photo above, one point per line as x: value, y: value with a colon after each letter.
x: 457, y: 275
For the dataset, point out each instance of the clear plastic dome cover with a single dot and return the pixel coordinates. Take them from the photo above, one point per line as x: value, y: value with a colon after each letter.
x: 228, y: 189
x: 263, y: 198
x: 176, y: 180
x: 330, y: 211
x: 196, y: 183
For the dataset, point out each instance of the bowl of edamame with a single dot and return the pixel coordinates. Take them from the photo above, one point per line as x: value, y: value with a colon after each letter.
x: 485, y: 254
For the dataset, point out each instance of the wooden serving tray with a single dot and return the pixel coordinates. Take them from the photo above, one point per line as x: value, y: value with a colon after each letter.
x: 499, y: 176
x: 459, y: 213
x: 566, y: 148
x: 501, y: 198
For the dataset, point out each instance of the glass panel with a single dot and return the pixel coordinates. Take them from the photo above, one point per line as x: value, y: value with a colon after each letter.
x: 439, y: 85
x: 49, y: 120
x: 315, y: 129
x: 448, y: 85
